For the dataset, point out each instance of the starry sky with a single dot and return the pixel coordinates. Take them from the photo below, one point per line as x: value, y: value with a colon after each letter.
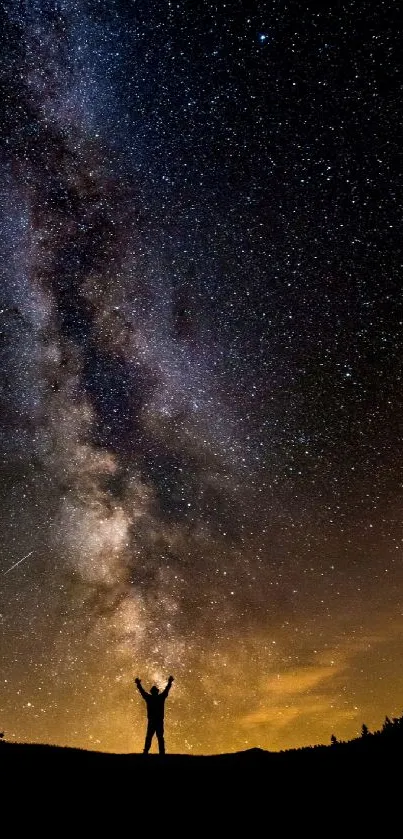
x: 201, y: 370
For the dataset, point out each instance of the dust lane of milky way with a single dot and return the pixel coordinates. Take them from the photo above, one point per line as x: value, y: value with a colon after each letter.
x: 200, y: 350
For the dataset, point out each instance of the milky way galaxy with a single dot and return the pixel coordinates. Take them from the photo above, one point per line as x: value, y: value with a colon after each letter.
x: 201, y: 352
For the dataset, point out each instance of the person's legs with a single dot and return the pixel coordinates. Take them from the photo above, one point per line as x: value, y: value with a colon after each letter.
x: 160, y: 737
x: 149, y: 737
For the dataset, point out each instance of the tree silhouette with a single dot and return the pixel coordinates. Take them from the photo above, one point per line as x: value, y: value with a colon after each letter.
x: 364, y: 730
x: 334, y: 740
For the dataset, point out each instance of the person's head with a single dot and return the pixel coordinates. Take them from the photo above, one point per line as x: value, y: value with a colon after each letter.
x: 154, y: 690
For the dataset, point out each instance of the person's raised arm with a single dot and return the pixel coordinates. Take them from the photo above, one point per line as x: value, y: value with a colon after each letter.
x: 140, y: 688
x: 168, y: 687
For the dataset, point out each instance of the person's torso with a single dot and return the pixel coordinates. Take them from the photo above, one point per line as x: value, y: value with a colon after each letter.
x: 155, y: 707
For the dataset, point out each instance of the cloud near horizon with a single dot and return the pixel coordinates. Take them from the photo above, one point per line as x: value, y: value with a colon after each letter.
x: 312, y: 696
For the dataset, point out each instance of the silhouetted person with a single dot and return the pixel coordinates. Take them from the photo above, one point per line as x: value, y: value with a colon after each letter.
x: 155, y: 714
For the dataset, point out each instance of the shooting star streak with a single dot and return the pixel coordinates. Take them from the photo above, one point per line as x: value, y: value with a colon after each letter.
x: 17, y: 563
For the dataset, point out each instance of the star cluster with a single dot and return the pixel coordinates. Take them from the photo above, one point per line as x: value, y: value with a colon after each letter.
x: 201, y: 370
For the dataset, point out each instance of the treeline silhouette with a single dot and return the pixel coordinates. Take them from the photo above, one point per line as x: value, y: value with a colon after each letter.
x: 391, y: 728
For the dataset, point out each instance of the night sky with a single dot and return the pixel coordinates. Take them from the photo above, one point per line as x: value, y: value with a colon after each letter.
x: 201, y: 397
